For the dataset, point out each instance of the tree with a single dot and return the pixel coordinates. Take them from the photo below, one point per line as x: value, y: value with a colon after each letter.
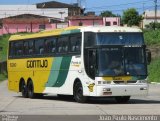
x: 107, y: 14
x: 131, y: 17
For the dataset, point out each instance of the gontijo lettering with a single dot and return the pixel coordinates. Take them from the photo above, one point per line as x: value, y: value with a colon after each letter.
x: 37, y: 63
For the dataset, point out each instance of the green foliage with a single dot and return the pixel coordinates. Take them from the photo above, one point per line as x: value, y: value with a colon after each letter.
x: 3, y: 53
x: 3, y: 76
x: 154, y: 70
x: 152, y: 37
x: 153, y: 26
x: 4, y: 46
x: 131, y: 17
x: 107, y: 14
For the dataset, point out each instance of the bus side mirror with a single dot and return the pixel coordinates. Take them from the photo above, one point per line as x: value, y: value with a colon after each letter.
x: 148, y: 56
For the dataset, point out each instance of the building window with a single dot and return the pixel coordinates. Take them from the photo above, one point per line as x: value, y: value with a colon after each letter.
x: 80, y: 24
x: 114, y: 23
x: 108, y: 23
x: 42, y: 27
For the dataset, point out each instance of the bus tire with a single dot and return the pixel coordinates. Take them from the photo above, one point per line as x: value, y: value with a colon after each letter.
x: 23, y: 89
x: 122, y: 99
x: 30, y: 87
x: 78, y: 93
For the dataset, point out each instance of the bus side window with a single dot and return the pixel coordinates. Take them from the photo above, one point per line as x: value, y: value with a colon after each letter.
x: 19, y: 48
x: 59, y: 45
x: 46, y: 46
x: 63, y: 44
x: 50, y: 45
x: 75, y: 44
x: 39, y: 46
x: 25, y: 48
x: 72, y: 41
x: 31, y: 47
x: 78, y: 44
x: 11, y: 50
x: 53, y: 45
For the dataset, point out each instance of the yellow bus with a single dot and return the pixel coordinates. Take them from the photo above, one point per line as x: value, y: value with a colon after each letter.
x: 88, y: 61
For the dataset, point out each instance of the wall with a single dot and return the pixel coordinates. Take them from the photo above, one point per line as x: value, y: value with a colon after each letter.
x: 148, y: 21
x: 96, y: 22
x: 85, y: 22
x: 1, y: 33
x: 111, y: 20
x: 14, y: 10
x: 14, y: 28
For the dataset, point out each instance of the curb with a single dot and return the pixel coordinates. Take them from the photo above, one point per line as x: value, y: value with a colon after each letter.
x: 155, y: 83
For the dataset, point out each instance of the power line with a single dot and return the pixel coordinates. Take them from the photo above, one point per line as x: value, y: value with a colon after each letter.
x: 119, y: 10
x: 119, y: 4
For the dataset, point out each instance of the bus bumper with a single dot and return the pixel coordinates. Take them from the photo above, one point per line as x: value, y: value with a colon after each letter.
x: 122, y: 90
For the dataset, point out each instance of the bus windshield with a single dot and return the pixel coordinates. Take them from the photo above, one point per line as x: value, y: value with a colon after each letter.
x: 110, y: 62
x: 134, y: 61
x: 119, y: 61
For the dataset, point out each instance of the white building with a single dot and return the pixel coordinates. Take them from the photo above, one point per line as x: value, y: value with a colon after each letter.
x: 49, y: 9
x: 13, y: 10
x: 149, y: 17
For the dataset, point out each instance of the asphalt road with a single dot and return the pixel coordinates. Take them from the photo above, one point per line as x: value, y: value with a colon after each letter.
x: 13, y: 104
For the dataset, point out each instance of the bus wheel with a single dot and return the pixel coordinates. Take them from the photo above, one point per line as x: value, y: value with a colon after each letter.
x: 78, y: 93
x: 122, y: 99
x: 31, y: 93
x: 23, y: 89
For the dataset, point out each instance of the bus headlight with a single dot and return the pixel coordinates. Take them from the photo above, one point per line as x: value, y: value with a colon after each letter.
x: 104, y: 82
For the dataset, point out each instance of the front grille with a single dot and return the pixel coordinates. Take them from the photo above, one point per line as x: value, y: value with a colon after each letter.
x: 124, y: 82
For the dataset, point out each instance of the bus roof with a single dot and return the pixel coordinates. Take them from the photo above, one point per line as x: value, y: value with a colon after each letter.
x: 73, y: 29
x: 110, y: 29
x: 46, y: 33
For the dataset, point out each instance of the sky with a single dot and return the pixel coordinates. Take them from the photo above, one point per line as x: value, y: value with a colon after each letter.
x: 116, y: 6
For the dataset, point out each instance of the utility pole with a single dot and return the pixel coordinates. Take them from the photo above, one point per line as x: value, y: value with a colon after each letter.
x: 143, y: 8
x: 79, y: 3
x: 155, y: 19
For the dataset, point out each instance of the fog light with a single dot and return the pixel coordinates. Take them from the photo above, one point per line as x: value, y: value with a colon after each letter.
x: 143, y: 88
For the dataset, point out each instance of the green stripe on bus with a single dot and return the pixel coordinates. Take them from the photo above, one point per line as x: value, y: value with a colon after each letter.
x: 54, y: 71
x: 63, y: 72
x: 71, y: 31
